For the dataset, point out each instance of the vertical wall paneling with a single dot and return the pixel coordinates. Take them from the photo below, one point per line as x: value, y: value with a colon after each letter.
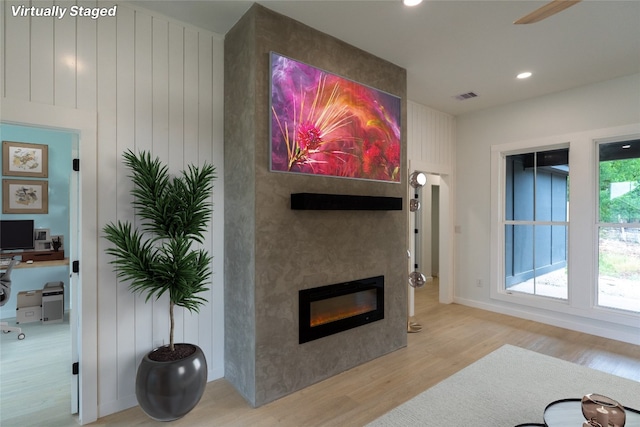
x: 154, y: 84
x: 143, y: 73
x: 175, y: 62
x: 125, y: 119
x: 205, y: 150
x: 86, y: 53
x: 143, y: 42
x: 435, y: 131
x: 108, y: 320
x: 120, y: 203
x: 191, y: 132
x: 191, y: 102
x: 160, y: 137
x: 65, y: 62
x: 413, y: 133
x: 17, y: 64
x: 160, y: 88
x: 205, y: 83
x: 217, y: 229
x: 431, y: 138
x: 42, y: 70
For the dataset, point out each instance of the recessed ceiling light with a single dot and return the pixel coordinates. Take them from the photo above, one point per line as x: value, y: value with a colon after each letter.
x: 626, y: 146
x: 524, y: 75
x: 411, y: 2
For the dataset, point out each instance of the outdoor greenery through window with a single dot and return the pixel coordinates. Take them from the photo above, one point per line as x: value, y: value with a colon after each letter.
x: 619, y: 225
x: 536, y: 223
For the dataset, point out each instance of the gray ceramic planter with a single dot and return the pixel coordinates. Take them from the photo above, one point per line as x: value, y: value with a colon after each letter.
x: 167, y: 391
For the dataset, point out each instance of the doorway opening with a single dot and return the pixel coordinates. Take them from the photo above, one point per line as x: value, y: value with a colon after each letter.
x: 430, y: 240
x: 429, y: 223
x: 48, y: 348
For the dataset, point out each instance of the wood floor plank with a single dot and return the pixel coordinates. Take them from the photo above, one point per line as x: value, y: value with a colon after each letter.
x: 452, y: 338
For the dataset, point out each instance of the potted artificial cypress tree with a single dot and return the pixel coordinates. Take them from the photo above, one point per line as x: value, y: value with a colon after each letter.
x: 157, y: 258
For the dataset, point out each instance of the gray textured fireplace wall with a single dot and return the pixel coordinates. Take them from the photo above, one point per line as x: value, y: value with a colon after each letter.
x: 271, y: 252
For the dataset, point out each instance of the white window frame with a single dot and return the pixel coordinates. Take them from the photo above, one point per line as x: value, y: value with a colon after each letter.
x: 598, y: 224
x: 498, y: 185
x: 582, y: 248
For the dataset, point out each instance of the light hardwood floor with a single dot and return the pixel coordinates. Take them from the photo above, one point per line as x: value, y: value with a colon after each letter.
x: 35, y: 375
x: 453, y: 337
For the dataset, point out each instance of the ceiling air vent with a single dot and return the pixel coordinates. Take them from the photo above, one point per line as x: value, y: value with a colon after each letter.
x: 464, y: 96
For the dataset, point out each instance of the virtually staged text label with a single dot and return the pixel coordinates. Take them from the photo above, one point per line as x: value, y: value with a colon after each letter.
x: 60, y: 12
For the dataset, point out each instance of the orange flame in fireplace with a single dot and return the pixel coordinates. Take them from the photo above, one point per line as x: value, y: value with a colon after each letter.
x: 339, y: 314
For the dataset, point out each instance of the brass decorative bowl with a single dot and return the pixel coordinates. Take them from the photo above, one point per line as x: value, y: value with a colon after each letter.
x: 602, y: 409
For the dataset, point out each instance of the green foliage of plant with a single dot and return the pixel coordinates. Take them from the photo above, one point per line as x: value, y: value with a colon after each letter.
x: 157, y: 257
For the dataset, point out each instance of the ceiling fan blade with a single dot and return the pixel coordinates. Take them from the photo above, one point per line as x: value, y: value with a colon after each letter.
x: 546, y: 11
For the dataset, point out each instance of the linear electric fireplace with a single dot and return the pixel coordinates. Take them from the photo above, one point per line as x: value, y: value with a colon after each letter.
x: 335, y: 308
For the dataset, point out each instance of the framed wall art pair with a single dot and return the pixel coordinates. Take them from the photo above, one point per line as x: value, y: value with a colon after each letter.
x: 24, y: 160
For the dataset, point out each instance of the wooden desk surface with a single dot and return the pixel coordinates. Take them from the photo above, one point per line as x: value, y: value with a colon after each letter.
x: 36, y: 264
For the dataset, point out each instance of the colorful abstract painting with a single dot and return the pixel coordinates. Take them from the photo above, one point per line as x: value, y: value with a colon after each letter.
x: 324, y: 124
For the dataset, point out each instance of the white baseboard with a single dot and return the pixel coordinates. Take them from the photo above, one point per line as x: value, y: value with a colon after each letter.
x: 117, y: 405
x: 574, y: 323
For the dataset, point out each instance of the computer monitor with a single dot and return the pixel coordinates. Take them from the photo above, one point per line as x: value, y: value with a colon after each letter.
x: 16, y: 234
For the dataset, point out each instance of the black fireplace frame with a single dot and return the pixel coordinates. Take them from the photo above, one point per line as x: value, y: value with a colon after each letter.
x: 307, y: 296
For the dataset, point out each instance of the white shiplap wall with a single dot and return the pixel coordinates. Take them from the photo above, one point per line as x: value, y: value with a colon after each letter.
x: 431, y: 138
x: 155, y: 84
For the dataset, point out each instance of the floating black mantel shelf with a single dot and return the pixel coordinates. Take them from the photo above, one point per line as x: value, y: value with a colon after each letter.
x: 344, y: 202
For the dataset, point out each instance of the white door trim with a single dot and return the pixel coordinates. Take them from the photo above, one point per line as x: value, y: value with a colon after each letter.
x: 85, y: 123
x: 446, y: 238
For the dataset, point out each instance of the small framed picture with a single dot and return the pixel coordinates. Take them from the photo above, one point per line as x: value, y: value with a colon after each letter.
x: 22, y: 159
x: 41, y: 239
x: 25, y: 196
x: 41, y: 234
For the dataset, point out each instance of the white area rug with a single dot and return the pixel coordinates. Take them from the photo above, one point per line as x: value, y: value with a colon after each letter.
x: 508, y: 387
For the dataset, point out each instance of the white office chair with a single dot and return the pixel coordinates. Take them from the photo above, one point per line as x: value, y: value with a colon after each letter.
x: 5, y: 293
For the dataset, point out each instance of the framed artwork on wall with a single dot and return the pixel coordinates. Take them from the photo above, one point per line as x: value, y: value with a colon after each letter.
x: 41, y: 239
x: 25, y: 196
x: 22, y: 159
x: 324, y: 124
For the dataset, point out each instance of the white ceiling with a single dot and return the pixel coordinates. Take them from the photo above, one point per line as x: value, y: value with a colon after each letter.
x: 450, y: 47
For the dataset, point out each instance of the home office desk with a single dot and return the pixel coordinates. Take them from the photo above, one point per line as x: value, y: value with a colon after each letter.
x: 37, y: 264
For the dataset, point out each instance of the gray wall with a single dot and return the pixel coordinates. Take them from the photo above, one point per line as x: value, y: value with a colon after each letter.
x: 271, y: 252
